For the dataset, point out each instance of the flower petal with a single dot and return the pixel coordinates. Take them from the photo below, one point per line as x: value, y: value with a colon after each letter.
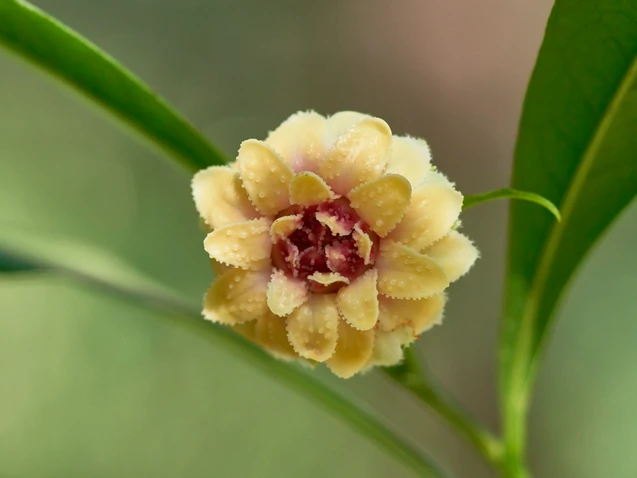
x: 236, y: 296
x: 265, y: 175
x: 247, y: 330
x: 285, y: 293
x: 300, y: 140
x: 312, y: 328
x: 358, y: 302
x: 284, y: 226
x: 388, y: 346
x: 420, y: 314
x: 271, y: 333
x: 353, y: 350
x: 219, y: 197
x: 364, y: 244
x: 244, y: 244
x: 358, y: 156
x: 455, y: 253
x: 307, y: 188
x: 411, y: 158
x: 406, y: 274
x: 328, y: 278
x: 434, y: 208
x: 382, y: 203
x: 340, y: 122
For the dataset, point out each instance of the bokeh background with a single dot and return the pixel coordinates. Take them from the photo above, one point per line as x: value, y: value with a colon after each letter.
x: 90, y: 386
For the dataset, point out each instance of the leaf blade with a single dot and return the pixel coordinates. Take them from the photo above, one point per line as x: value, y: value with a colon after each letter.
x: 11, y: 264
x: 575, y: 148
x: 39, y: 38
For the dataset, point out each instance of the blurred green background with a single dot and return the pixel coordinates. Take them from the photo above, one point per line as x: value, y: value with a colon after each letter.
x: 90, y: 386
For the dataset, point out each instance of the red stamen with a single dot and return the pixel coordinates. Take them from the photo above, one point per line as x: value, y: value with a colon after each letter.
x: 312, y: 247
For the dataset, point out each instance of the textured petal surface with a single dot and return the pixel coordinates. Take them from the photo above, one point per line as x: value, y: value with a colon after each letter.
x: 243, y: 244
x: 434, y: 208
x: 284, y: 226
x: 358, y: 302
x: 237, y: 296
x: 300, y: 140
x: 382, y: 203
x: 271, y: 333
x: 247, y: 329
x: 411, y: 158
x: 312, y: 328
x: 358, y: 156
x: 420, y: 314
x: 337, y: 226
x: 353, y: 350
x: 307, y: 188
x: 328, y: 278
x: 265, y: 175
x: 455, y: 253
x: 406, y: 274
x: 363, y: 243
x: 339, y: 123
x: 388, y: 346
x: 285, y: 293
x: 219, y: 197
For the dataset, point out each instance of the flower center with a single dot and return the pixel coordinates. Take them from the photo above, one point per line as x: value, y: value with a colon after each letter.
x: 327, y: 245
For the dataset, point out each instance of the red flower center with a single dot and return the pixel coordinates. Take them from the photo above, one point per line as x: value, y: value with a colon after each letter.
x: 330, y: 238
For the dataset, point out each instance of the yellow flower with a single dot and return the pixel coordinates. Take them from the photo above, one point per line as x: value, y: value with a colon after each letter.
x: 333, y: 241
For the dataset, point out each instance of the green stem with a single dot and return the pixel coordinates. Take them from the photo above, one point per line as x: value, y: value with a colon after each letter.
x: 508, y: 193
x: 411, y: 375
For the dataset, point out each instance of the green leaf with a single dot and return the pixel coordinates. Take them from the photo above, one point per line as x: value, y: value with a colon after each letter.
x: 576, y: 147
x: 13, y: 264
x: 508, y: 193
x: 9, y: 263
x: 109, y: 273
x: 65, y: 54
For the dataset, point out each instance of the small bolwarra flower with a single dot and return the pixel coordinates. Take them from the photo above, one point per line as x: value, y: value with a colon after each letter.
x: 333, y: 241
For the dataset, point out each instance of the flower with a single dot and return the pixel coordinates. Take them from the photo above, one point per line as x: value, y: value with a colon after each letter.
x: 333, y: 241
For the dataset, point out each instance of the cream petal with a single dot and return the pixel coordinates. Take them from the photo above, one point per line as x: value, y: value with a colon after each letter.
x: 419, y: 314
x: 236, y: 296
x: 246, y: 329
x: 284, y: 226
x: 312, y: 328
x: 388, y: 346
x: 328, y: 278
x: 358, y: 156
x: 358, y: 302
x: 307, y: 188
x: 285, y: 293
x: 300, y: 140
x: 217, y: 267
x: 411, y: 158
x: 406, y: 274
x: 382, y: 203
x: 353, y: 350
x: 434, y: 208
x: 455, y: 253
x: 265, y: 175
x: 364, y: 244
x: 219, y: 197
x: 337, y: 226
x: 339, y: 123
x: 271, y: 333
x: 243, y: 244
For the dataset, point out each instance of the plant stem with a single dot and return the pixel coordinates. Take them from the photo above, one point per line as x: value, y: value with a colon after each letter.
x: 515, y: 419
x: 411, y: 375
